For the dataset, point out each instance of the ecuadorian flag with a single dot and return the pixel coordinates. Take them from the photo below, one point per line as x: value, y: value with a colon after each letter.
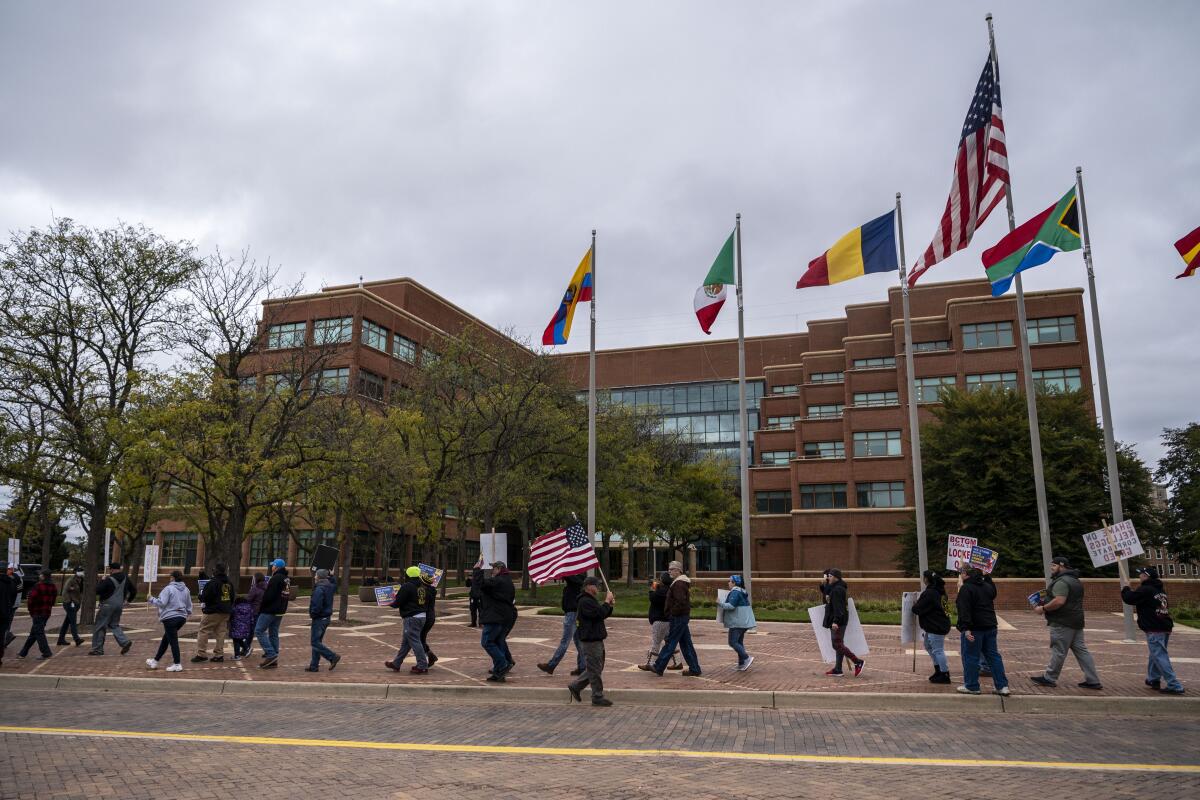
x: 578, y: 291
x: 866, y: 249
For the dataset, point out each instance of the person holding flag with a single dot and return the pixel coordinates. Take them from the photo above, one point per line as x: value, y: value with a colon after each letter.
x: 592, y: 634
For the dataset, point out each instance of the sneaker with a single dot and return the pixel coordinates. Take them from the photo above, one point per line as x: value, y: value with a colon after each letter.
x: 508, y: 668
x: 175, y: 668
x: 125, y: 649
x: 217, y: 659
x: 746, y: 666
x: 965, y: 690
x: 495, y: 679
x: 78, y: 642
x: 576, y: 672
x: 858, y: 668
x: 268, y: 662
x: 658, y: 673
x: 432, y: 659
x: 1155, y: 685
x: 1169, y: 690
x: 687, y: 673
x: 1002, y: 691
x: 601, y: 701
x: 834, y: 673
x: 333, y: 662
x: 392, y: 665
x: 312, y: 669
x: 942, y: 677
x: 95, y: 652
x: 61, y: 643
x: 1041, y: 680
x: 419, y: 670
x: 199, y: 659
x: 674, y: 667
x: 151, y: 663
x: 45, y: 657
x: 575, y: 696
x: 546, y: 668
x: 1086, y: 685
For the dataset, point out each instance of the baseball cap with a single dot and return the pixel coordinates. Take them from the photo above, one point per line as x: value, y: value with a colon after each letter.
x: 1061, y: 561
x: 277, y: 563
x: 113, y: 565
x: 499, y: 565
x: 1151, y: 571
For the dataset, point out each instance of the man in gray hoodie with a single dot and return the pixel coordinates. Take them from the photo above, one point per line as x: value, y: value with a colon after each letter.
x: 1062, y: 606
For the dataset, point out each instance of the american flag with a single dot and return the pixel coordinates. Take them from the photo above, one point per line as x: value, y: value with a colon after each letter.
x: 566, y: 551
x: 980, y: 175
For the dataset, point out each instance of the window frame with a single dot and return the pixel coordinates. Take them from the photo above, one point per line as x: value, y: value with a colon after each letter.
x: 827, y: 377
x: 873, y: 489
x: 365, y: 378
x: 997, y: 328
x: 885, y: 362
x: 1040, y: 381
x: 871, y: 437
x: 764, y: 501
x: 888, y: 395
x: 276, y: 335
x: 1000, y: 384
x: 372, y: 331
x: 839, y: 450
x: 321, y: 329
x: 810, y: 413
x: 944, y: 381
x: 811, y: 494
x: 1035, y: 327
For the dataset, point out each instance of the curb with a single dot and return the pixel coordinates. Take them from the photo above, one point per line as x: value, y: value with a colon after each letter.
x: 705, y: 698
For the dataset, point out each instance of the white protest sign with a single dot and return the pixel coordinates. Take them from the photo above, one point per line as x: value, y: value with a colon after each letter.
x: 958, y: 551
x: 854, y: 639
x: 908, y: 620
x: 494, y: 547
x: 722, y: 596
x: 14, y: 551
x: 1117, y: 542
x: 150, y: 564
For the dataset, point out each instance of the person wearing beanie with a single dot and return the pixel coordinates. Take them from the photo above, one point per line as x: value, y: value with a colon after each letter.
x: 931, y: 612
x: 1062, y: 607
x: 592, y: 633
x: 977, y: 624
x: 837, y: 618
x: 679, y: 614
x: 72, y: 599
x: 216, y: 606
x: 174, y: 604
x: 430, y: 615
x: 41, y: 605
x: 320, y: 611
x: 271, y: 609
x: 410, y: 600
x: 737, y: 617
x: 1154, y: 618
x: 113, y: 593
x: 497, y: 615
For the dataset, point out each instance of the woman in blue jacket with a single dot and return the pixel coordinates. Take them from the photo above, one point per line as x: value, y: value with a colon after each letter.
x: 738, y: 618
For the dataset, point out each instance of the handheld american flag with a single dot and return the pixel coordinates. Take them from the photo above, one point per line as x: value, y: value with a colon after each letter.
x: 566, y: 551
x: 980, y: 175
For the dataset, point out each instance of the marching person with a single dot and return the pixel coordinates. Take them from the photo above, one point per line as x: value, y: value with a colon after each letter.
x: 270, y: 614
x: 430, y: 615
x: 497, y: 615
x: 737, y: 619
x: 410, y: 600
x: 320, y: 611
x: 10, y: 590
x: 174, y: 606
x: 977, y: 623
x: 572, y: 588
x: 241, y: 627
x: 113, y: 593
x: 41, y: 605
x: 473, y: 602
x: 837, y: 618
x: 591, y: 614
x: 930, y: 611
x: 1064, y: 614
x: 679, y: 614
x: 1154, y: 618
x: 72, y: 599
x: 660, y: 624
x: 216, y: 605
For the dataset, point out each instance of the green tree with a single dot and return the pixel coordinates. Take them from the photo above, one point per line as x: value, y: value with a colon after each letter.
x: 1179, y: 469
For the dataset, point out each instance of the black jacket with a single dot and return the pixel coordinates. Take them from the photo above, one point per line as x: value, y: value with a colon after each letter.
x: 590, y: 619
x: 572, y: 588
x: 217, y: 597
x: 496, y: 596
x: 930, y: 613
x: 105, y: 588
x: 411, y: 597
x: 275, y: 599
x: 837, y: 605
x: 430, y: 600
x: 976, y: 604
x: 1150, y: 600
x: 10, y: 588
x: 658, y: 602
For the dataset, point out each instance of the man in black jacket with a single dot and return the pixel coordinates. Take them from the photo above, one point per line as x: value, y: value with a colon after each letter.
x: 592, y: 633
x: 837, y: 617
x: 1154, y: 618
x: 10, y: 590
x: 497, y: 614
x: 660, y: 623
x: 977, y: 623
x: 572, y: 587
x: 216, y: 604
x: 270, y: 613
x: 1064, y: 614
x: 410, y: 600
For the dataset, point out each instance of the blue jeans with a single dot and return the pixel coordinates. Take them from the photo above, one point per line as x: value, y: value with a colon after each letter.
x: 985, y: 646
x: 679, y: 636
x: 935, y: 645
x: 496, y: 646
x: 1159, y: 667
x: 69, y: 624
x: 267, y: 631
x: 570, y: 633
x: 317, y: 640
x: 736, y: 637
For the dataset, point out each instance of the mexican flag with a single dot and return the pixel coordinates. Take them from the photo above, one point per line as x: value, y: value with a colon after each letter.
x: 1055, y: 230
x: 711, y: 294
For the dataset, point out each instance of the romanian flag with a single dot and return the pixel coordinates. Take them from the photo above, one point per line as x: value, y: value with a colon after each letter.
x: 1189, y: 248
x: 1033, y: 243
x: 870, y: 248
x: 578, y: 291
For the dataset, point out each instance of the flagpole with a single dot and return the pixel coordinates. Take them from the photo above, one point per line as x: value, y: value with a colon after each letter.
x: 591, y: 484
x: 743, y: 440
x: 913, y: 422
x: 1035, y: 434
x: 1110, y: 446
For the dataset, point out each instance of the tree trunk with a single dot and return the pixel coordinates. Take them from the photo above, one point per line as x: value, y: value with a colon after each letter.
x: 94, y: 552
x: 344, y: 559
x: 44, y: 525
x: 650, y: 559
x: 226, y: 546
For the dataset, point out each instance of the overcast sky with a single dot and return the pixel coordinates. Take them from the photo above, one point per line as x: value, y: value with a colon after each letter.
x: 473, y: 146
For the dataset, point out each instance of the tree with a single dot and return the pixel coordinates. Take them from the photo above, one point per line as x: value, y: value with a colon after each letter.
x: 1179, y: 469
x: 979, y: 479
x: 82, y: 311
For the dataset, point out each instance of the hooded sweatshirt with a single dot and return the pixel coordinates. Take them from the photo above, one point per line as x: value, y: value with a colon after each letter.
x: 1150, y: 599
x: 174, y: 601
x: 837, y: 605
x: 976, y: 604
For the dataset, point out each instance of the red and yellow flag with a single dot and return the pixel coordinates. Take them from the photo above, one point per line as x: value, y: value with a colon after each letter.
x: 1189, y: 248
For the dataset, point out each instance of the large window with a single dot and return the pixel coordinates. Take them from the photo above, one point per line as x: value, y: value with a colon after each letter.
x: 281, y: 381
x: 928, y: 389
x: 876, y: 399
x: 286, y: 334
x: 374, y: 335
x: 777, y: 458
x: 404, y: 348
x: 822, y: 495
x: 987, y: 334
x: 1048, y: 330
x: 825, y: 411
x: 1058, y: 380
x: 994, y: 380
x: 881, y: 362
x: 876, y: 443
x: 268, y: 546
x: 178, y: 549
x: 780, y: 423
x: 333, y: 331
x: 370, y: 385
x: 825, y: 449
x: 929, y: 347
x: 773, y: 502
x: 881, y: 494
x: 827, y: 377
x: 334, y: 381
x: 790, y: 388
x: 307, y: 542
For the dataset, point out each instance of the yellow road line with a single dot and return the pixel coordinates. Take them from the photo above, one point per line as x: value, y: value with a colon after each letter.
x: 422, y: 747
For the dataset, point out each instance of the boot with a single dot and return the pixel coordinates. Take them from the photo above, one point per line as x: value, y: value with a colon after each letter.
x: 941, y: 677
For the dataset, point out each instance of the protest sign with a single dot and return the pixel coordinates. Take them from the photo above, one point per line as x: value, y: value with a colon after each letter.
x: 432, y: 573
x: 958, y: 551
x: 493, y: 547
x: 854, y: 638
x: 200, y: 584
x: 722, y: 594
x: 908, y: 620
x: 384, y: 595
x: 14, y: 552
x: 983, y: 559
x: 1113, y: 543
x: 150, y: 564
